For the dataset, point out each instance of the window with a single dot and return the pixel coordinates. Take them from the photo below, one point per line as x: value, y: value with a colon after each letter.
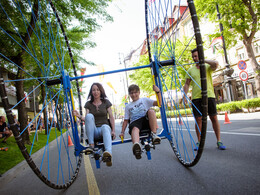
x: 241, y: 54
x: 257, y: 47
x: 188, y: 28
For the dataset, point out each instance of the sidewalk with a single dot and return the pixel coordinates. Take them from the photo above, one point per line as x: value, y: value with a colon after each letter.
x: 241, y: 116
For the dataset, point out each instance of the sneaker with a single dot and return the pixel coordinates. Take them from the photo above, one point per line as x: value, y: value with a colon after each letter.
x: 221, y: 146
x: 107, y: 158
x: 137, y: 150
x: 156, y: 139
x: 197, y: 146
x: 89, y: 150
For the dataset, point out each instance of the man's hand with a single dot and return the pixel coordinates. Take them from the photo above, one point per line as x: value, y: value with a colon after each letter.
x: 213, y: 64
x: 122, y: 135
x: 185, y: 101
x: 156, y: 89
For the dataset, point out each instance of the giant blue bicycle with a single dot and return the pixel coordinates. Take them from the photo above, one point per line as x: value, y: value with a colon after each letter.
x: 38, y: 39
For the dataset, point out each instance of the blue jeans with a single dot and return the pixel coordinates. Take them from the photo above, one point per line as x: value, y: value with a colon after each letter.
x: 94, y: 132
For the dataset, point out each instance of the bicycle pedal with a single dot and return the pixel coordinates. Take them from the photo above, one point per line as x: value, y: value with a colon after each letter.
x: 96, y: 156
x: 88, y: 152
x: 147, y: 147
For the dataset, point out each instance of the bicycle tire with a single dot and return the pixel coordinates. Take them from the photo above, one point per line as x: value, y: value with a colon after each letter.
x: 48, y: 47
x: 169, y: 57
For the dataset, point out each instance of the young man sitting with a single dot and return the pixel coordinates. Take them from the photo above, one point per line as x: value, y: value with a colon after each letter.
x: 141, y: 117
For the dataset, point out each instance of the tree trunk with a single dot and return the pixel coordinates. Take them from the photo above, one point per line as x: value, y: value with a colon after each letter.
x: 22, y: 113
x: 59, y: 117
x: 255, y: 65
x: 45, y: 115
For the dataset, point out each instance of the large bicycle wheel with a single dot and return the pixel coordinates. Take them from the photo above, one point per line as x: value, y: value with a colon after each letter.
x: 34, y: 55
x: 172, y: 32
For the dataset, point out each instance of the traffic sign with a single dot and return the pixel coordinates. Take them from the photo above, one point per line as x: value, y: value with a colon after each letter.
x: 243, y: 75
x: 241, y: 65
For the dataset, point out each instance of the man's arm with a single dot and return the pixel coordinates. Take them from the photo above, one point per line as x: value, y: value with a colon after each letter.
x: 125, y: 123
x: 213, y: 64
x: 186, y: 89
x: 157, y: 91
x: 186, y: 86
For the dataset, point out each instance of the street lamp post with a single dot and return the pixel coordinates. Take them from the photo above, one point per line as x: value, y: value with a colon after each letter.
x: 125, y: 68
x: 228, y: 71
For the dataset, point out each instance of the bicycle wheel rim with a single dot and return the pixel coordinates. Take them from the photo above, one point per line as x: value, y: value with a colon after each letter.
x: 47, y: 49
x: 169, y: 56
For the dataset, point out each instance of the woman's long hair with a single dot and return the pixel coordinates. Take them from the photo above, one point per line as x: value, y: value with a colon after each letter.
x: 101, y: 89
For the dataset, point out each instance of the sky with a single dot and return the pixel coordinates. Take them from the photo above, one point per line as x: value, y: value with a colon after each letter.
x: 126, y: 33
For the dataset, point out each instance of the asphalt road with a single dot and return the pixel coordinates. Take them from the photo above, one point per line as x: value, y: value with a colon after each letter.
x: 233, y: 171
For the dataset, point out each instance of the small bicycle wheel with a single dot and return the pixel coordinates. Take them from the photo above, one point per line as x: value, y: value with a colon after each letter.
x: 34, y: 55
x: 170, y: 54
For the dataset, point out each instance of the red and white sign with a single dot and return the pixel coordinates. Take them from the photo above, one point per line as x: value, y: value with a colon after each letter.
x: 243, y: 75
x: 241, y: 65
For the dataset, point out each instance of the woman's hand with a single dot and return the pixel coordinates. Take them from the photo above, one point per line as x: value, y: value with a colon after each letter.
x: 113, y: 134
x: 75, y: 113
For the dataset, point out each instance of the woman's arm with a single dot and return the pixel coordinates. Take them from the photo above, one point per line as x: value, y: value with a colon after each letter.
x: 112, y: 122
x: 76, y: 113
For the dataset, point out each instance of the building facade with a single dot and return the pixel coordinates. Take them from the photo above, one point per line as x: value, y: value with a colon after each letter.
x: 213, y: 50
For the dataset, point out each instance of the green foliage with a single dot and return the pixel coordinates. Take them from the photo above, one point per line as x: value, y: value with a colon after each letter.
x: 231, y: 106
x: 143, y: 77
x: 183, y: 60
x: 236, y: 105
x: 251, y: 103
x: 174, y: 113
x: 13, y: 156
x: 39, y: 47
x: 240, y: 15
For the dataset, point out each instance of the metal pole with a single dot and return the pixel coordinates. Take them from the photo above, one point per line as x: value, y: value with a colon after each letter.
x: 228, y: 71
x: 124, y: 84
x: 245, y: 91
x: 125, y: 71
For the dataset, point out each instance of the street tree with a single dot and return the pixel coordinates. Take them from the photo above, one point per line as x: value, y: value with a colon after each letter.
x: 182, y: 55
x: 79, y: 19
x: 240, y: 20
